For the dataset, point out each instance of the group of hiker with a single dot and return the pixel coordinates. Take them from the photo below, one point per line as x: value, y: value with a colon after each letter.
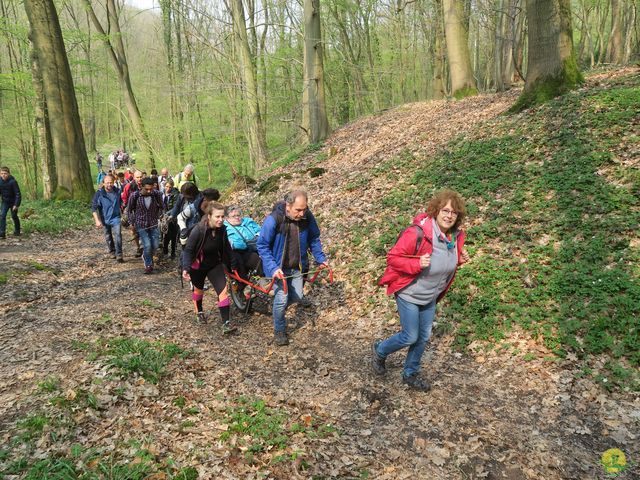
x: 217, y: 240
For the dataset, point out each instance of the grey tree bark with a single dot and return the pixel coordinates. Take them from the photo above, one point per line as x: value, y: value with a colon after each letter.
x: 72, y: 165
x: 615, y: 48
x: 551, y: 68
x: 462, y: 81
x: 255, y: 126
x: 47, y: 159
x: 314, y: 114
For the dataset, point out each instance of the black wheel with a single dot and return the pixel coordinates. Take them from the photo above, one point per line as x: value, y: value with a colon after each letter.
x: 238, y: 297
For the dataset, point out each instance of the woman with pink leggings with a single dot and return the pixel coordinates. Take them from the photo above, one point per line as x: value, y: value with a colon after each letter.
x: 207, y: 255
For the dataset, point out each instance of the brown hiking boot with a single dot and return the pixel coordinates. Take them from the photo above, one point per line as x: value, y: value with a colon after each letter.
x: 377, y: 361
x: 281, y: 339
x: 415, y: 382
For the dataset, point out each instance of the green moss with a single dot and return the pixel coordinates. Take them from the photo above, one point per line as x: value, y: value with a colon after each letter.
x: 316, y: 171
x: 465, y: 92
x: 547, y: 88
x: 272, y: 183
x: 62, y: 194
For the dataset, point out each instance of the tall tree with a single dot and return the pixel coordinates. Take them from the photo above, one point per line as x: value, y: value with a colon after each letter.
x: 43, y: 126
x: 314, y: 114
x: 112, y: 37
x: 615, y: 48
x: 72, y: 165
x: 255, y: 128
x: 455, y: 29
x: 551, y: 67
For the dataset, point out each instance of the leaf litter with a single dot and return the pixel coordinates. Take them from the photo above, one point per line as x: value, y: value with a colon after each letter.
x: 489, y: 415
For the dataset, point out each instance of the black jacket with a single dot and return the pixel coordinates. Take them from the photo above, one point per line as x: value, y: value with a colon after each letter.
x: 10, y: 191
x: 195, y: 244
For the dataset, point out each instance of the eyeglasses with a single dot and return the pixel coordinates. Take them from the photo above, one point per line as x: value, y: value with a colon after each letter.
x: 449, y: 213
x: 235, y: 215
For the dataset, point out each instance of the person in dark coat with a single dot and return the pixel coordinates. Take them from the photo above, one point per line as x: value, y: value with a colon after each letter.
x: 207, y: 255
x: 10, y: 192
x: 169, y: 198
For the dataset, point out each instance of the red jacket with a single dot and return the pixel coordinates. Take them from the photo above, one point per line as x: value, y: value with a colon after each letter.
x: 403, y: 266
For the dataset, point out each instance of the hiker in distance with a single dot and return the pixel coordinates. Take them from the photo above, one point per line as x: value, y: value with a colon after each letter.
x: 420, y: 269
x: 106, y: 214
x: 206, y: 255
x: 10, y: 193
x: 285, y: 239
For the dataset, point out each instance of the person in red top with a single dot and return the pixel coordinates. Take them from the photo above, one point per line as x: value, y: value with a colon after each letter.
x: 420, y: 269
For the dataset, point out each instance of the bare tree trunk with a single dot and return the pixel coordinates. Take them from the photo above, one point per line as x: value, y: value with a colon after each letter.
x: 47, y: 159
x: 72, y: 165
x: 551, y: 68
x: 438, y: 90
x: 511, y: 37
x: 255, y: 131
x: 314, y: 114
x: 631, y: 26
x: 615, y: 49
x: 115, y: 48
x: 501, y: 43
x: 463, y: 83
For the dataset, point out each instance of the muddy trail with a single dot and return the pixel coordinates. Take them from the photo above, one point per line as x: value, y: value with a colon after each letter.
x: 486, y: 417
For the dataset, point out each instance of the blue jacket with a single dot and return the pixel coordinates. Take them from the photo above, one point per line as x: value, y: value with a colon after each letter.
x: 272, y: 240
x: 10, y: 191
x: 108, y: 208
x: 239, y: 235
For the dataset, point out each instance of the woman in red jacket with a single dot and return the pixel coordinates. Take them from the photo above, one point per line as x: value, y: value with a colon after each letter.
x: 420, y: 269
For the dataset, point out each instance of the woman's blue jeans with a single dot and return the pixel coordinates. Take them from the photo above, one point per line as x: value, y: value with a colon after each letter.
x: 416, y: 321
x: 281, y: 300
x: 150, y: 239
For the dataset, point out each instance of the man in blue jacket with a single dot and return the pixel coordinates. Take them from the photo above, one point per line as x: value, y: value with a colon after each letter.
x: 10, y: 192
x: 285, y: 239
x: 106, y: 214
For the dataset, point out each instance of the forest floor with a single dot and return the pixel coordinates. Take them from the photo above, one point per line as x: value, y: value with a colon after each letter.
x: 177, y: 399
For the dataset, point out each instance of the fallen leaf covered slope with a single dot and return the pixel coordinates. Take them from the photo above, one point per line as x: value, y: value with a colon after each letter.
x: 529, y: 179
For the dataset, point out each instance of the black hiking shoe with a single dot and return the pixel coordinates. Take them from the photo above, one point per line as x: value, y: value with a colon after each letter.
x: 416, y: 382
x: 281, y: 339
x: 120, y: 260
x: 305, y: 302
x: 138, y: 253
x: 377, y: 361
x: 201, y: 317
x: 227, y: 328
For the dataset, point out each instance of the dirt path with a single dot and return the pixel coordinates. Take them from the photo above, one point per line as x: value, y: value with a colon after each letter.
x: 488, y: 417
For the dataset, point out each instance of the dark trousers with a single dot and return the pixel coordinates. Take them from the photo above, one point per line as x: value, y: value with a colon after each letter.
x: 4, y: 209
x: 247, y: 260
x: 170, y: 238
